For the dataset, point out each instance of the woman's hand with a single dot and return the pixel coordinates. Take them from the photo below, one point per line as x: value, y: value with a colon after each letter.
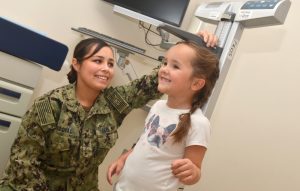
x: 210, y: 39
x: 116, y: 167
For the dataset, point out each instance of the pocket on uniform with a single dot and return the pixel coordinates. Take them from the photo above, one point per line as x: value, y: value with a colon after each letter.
x: 60, y: 142
x: 60, y: 149
x: 106, y: 137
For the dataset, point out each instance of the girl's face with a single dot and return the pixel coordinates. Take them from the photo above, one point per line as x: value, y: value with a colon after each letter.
x: 175, y: 74
x: 97, y: 71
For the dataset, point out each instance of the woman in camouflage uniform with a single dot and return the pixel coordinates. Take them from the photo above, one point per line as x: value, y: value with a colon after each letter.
x: 67, y: 132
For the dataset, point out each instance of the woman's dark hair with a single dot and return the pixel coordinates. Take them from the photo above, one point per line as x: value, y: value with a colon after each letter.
x: 206, y: 66
x: 82, y: 52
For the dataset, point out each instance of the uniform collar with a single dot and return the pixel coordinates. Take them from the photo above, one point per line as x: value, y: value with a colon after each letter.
x: 100, y: 106
x: 69, y: 97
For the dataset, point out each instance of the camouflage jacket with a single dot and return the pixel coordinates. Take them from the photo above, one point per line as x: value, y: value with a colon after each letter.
x: 59, y: 145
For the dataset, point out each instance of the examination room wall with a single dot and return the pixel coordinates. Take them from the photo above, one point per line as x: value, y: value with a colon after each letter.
x: 255, y: 137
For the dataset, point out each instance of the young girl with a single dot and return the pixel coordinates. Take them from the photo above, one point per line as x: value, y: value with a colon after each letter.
x: 171, y: 149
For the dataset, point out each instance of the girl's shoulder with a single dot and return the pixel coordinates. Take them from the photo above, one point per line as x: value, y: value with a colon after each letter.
x: 198, y: 117
x: 159, y: 104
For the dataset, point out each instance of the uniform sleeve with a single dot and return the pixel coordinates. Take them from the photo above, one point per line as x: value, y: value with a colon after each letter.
x: 23, y: 172
x: 141, y: 91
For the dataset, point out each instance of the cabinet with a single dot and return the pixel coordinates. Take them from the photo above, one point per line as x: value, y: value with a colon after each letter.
x: 18, y: 78
x: 23, y: 53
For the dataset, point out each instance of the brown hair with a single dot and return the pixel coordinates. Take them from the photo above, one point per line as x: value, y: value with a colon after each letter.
x: 206, y: 66
x: 81, y: 51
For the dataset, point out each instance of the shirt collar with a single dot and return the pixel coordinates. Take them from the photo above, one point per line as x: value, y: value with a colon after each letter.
x: 100, y: 106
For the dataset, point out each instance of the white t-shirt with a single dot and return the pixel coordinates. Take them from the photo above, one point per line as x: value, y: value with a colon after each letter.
x: 148, y: 167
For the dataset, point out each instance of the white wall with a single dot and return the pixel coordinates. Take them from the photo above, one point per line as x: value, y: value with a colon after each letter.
x: 255, y: 129
x: 255, y: 126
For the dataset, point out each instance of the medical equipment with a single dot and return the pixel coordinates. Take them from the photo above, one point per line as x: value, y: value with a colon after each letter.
x: 23, y: 52
x: 154, y: 12
x: 231, y: 19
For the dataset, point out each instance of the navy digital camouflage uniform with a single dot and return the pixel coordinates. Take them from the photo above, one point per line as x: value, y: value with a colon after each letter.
x: 60, y: 145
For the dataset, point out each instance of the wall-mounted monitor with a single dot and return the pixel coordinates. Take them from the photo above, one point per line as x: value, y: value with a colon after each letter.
x: 153, y: 11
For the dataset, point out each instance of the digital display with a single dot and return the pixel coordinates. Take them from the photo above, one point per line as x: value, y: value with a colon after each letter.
x: 167, y: 11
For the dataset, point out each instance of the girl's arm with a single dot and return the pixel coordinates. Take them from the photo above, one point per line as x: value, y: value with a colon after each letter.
x: 188, y: 169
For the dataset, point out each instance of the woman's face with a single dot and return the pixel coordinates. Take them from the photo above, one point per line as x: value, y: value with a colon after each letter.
x: 97, y: 71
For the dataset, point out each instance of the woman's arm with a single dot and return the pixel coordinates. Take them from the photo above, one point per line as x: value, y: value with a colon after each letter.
x: 24, y: 170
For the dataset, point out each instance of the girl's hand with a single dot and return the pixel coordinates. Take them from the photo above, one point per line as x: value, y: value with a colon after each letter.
x: 186, y: 171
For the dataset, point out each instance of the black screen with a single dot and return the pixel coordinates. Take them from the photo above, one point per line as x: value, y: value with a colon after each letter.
x: 167, y: 11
